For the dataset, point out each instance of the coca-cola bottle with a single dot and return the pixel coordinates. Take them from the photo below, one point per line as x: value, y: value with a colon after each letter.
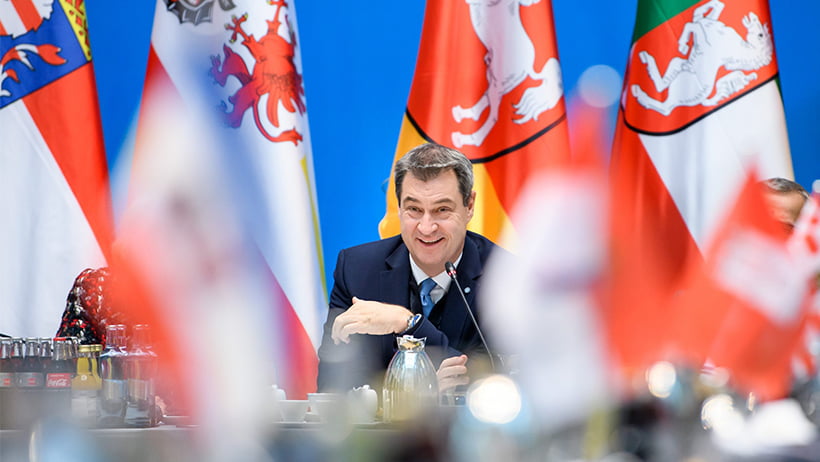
x: 29, y: 380
x: 45, y: 355
x: 59, y: 370
x: 14, y: 408
x: 30, y: 373
x: 6, y: 381
x: 140, y: 373
x: 112, y: 399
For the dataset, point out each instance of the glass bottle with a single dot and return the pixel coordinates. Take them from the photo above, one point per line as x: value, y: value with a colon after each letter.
x: 112, y: 399
x: 59, y: 370
x: 29, y: 381
x: 410, y: 383
x: 6, y: 381
x: 16, y: 407
x: 86, y: 385
x: 140, y: 373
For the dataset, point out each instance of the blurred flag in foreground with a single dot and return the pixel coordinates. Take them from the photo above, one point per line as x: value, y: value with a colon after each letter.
x: 804, y: 244
x: 237, y: 64
x: 700, y: 104
x: 543, y: 304
x: 745, y: 309
x: 217, y: 247
x: 488, y: 83
x: 54, y: 191
x: 183, y: 264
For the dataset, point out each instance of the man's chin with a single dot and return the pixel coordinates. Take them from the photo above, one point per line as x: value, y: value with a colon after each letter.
x: 436, y: 266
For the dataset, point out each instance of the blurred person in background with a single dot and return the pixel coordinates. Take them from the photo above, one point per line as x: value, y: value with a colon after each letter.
x: 785, y: 199
x: 376, y: 293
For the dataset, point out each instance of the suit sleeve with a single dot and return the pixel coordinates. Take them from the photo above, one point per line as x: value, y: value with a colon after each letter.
x: 346, y: 365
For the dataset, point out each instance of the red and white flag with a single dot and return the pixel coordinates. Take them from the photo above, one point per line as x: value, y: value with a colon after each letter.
x: 488, y: 83
x: 745, y: 309
x: 804, y: 244
x: 54, y: 191
x: 233, y: 68
x: 544, y: 306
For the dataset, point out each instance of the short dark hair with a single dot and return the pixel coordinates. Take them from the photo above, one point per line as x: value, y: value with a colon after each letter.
x: 784, y: 186
x: 428, y: 161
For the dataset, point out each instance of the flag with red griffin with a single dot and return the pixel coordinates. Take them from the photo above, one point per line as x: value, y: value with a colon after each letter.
x: 54, y: 190
x: 252, y: 101
x: 487, y: 82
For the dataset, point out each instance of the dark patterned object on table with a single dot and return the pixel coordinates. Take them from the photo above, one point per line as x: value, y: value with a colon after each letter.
x: 89, y: 308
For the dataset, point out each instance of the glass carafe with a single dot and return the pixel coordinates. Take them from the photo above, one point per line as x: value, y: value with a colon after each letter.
x: 410, y: 383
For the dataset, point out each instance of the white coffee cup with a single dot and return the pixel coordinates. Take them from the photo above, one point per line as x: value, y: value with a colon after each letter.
x: 364, y: 402
x: 293, y: 410
x: 327, y: 406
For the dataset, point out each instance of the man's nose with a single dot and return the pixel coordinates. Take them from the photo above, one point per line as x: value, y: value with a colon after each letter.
x: 427, y: 224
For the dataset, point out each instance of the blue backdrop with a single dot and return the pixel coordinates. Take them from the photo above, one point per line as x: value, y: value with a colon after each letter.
x: 358, y: 60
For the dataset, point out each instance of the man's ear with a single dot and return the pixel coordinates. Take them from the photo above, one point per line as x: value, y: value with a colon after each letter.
x: 471, y: 205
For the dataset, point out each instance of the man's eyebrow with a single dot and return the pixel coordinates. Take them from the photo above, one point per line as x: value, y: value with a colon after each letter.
x: 445, y: 200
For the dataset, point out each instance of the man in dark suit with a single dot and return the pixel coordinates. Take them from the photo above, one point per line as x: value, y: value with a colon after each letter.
x: 379, y: 291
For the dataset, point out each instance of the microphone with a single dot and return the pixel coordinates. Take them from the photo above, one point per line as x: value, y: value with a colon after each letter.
x: 451, y: 271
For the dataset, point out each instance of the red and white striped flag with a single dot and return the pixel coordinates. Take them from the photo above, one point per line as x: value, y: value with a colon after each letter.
x: 54, y: 190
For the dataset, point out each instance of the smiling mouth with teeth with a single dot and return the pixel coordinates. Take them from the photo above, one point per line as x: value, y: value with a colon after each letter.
x: 430, y: 242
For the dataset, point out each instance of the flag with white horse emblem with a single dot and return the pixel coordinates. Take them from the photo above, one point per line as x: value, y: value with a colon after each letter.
x: 495, y: 93
x: 700, y: 104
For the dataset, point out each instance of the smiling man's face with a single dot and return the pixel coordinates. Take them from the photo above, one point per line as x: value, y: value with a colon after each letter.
x: 434, y: 220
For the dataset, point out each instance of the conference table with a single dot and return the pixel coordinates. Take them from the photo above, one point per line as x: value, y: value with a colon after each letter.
x: 309, y: 441
x: 319, y: 441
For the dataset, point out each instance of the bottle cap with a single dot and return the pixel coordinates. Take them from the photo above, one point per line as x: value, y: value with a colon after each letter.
x: 90, y: 348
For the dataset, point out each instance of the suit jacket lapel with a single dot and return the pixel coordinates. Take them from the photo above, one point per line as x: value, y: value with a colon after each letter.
x: 454, y: 318
x: 393, y: 281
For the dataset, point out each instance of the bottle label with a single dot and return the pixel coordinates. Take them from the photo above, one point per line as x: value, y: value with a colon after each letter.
x: 58, y: 380
x: 6, y: 379
x: 84, y: 405
x: 29, y: 379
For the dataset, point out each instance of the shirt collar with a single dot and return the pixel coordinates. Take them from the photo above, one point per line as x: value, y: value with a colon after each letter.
x: 442, y: 279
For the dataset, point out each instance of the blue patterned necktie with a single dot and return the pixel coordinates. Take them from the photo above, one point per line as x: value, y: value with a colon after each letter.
x: 427, y: 285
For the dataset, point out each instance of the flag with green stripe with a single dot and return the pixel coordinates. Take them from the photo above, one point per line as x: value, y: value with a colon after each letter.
x: 701, y: 104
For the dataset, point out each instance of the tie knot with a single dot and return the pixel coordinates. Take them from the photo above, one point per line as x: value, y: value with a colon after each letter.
x: 427, y: 285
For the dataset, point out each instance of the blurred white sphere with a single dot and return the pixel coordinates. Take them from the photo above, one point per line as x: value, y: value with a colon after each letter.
x: 600, y: 86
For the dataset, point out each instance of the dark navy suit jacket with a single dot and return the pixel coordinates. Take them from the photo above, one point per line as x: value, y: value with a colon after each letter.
x: 380, y: 271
